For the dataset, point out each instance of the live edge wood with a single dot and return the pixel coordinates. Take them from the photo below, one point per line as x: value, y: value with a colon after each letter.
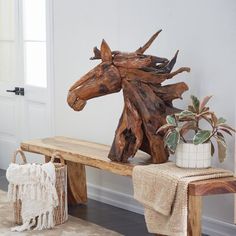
x: 86, y: 153
x: 95, y: 155
x: 79, y: 153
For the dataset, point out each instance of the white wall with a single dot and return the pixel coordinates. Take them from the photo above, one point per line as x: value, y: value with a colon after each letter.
x: 205, y: 33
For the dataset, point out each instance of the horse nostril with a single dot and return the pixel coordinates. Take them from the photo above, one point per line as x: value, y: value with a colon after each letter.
x: 71, y: 98
x: 79, y: 105
x: 74, y: 102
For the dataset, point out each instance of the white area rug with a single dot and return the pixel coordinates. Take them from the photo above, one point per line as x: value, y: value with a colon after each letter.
x: 73, y: 227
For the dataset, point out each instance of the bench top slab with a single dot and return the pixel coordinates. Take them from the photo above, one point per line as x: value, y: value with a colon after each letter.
x: 213, y: 186
x: 87, y: 153
x: 95, y: 155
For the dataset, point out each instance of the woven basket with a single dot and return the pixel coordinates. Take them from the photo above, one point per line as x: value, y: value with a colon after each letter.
x: 61, y: 211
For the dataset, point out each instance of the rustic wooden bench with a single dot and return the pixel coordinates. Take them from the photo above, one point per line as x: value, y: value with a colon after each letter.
x: 79, y: 154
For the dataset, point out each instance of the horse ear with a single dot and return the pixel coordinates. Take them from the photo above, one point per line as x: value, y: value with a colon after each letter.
x: 142, y: 49
x: 105, y: 51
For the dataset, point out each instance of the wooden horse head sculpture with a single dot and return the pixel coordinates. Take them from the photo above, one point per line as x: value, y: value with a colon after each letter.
x: 146, y: 101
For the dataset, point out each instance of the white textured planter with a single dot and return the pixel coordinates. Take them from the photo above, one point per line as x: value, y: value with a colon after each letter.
x: 189, y: 155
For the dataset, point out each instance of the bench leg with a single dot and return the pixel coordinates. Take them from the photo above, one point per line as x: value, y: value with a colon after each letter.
x: 76, y: 185
x: 194, y: 215
x: 77, y: 188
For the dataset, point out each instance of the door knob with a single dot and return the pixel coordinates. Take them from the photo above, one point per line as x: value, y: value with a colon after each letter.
x: 17, y: 91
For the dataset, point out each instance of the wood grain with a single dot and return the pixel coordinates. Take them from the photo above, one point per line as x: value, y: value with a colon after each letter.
x: 213, y: 186
x: 147, y: 101
x: 83, y: 152
x: 79, y: 153
x: 77, y: 188
x: 194, y: 215
x: 95, y: 155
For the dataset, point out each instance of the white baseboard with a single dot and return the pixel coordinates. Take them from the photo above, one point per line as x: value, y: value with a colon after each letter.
x: 210, y: 226
x: 114, y: 198
x: 214, y: 227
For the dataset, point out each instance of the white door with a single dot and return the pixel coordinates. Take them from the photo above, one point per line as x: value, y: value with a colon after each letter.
x: 24, y: 63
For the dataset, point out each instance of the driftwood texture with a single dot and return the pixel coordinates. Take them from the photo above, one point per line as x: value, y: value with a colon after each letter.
x: 146, y: 101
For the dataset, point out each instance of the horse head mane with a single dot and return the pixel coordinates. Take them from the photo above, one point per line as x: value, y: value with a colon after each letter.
x: 147, y: 100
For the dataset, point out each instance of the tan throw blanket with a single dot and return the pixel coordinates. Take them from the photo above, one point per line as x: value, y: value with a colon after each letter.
x: 163, y: 190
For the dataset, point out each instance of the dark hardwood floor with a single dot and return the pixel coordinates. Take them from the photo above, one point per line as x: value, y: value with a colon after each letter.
x: 107, y: 216
x: 3, y: 180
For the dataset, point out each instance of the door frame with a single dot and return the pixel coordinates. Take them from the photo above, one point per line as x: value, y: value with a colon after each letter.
x: 20, y: 64
x: 50, y: 61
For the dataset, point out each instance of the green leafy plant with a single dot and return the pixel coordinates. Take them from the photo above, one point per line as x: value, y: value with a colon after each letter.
x: 179, y: 124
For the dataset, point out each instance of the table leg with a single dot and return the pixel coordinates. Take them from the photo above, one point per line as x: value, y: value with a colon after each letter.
x: 77, y: 188
x: 194, y: 215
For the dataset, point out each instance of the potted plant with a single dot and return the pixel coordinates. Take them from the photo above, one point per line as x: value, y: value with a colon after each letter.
x: 196, y: 152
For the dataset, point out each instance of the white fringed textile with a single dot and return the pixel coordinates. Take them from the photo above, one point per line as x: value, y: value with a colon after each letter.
x: 34, y: 185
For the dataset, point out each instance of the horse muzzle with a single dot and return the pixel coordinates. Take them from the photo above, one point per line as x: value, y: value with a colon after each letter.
x: 75, y: 102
